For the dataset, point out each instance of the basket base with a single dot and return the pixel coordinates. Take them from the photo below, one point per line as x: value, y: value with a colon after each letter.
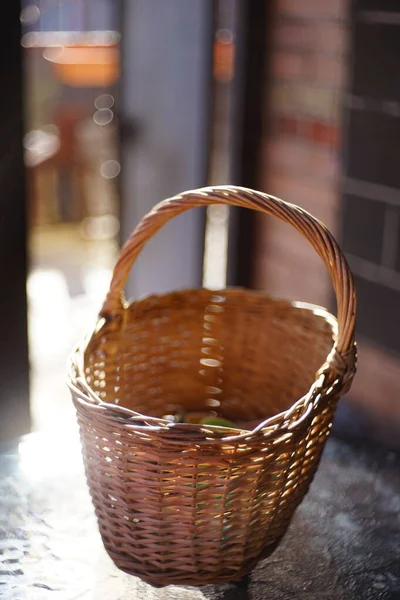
x: 162, y: 579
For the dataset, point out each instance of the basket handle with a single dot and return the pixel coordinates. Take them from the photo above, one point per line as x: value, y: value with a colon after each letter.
x: 312, y: 229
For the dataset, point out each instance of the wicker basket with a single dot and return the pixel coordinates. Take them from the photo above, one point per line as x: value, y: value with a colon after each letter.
x: 181, y: 503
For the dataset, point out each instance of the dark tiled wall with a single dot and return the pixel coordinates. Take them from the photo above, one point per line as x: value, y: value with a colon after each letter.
x: 378, y: 5
x: 374, y: 145
x: 363, y: 227
x: 378, y: 313
x: 371, y: 203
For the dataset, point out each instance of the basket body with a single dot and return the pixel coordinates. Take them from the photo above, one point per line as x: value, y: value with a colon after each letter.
x: 179, y: 505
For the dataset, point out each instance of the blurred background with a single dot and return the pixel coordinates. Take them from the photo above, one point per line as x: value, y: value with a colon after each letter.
x: 110, y: 106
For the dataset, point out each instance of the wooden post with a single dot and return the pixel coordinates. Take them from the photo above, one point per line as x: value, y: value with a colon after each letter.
x: 14, y: 366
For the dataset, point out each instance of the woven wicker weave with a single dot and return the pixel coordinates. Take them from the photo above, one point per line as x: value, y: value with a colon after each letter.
x: 193, y: 504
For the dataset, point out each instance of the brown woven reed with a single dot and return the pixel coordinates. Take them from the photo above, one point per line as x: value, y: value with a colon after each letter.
x: 194, y: 504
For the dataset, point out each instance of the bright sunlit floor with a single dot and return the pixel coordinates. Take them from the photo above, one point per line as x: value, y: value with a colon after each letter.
x: 68, y: 281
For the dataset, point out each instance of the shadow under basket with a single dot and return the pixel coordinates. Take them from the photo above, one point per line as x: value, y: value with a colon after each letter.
x: 191, y: 504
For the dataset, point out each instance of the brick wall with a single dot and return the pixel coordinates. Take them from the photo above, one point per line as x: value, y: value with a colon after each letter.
x: 302, y: 163
x: 301, y: 149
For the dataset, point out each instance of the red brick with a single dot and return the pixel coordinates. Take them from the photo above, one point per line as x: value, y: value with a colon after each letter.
x: 331, y: 38
x: 287, y: 262
x: 324, y: 133
x: 303, y: 128
x: 283, y: 280
x: 324, y: 164
x: 288, y: 65
x: 309, y: 67
x: 293, y: 34
x: 314, y: 9
x: 287, y: 125
x: 321, y: 201
x: 292, y: 157
x: 305, y: 99
x: 284, y: 240
x: 312, y: 37
x: 281, y: 245
x: 328, y: 71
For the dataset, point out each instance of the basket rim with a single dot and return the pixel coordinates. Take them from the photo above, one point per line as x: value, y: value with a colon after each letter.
x: 274, y: 426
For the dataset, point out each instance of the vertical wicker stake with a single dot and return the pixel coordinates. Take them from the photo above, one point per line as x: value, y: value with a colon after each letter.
x: 192, y: 504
